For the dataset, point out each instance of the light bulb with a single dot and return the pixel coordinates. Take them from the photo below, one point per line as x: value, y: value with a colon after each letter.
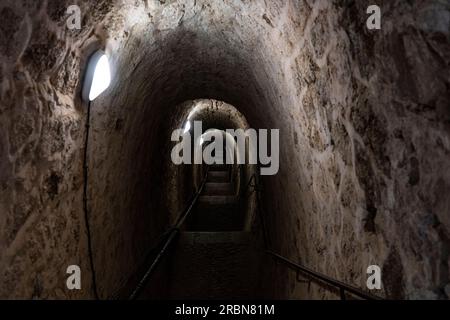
x: 101, y: 78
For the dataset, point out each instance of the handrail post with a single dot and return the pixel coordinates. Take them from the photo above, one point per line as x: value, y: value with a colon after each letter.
x: 342, y: 292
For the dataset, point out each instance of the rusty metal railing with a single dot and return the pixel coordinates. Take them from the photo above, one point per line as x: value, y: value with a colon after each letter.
x: 311, y: 274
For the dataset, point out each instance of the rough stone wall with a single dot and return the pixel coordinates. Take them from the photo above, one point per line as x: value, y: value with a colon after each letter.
x: 371, y: 136
x: 41, y: 134
x: 364, y: 122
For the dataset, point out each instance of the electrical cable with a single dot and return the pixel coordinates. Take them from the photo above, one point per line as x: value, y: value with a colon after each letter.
x: 85, y: 206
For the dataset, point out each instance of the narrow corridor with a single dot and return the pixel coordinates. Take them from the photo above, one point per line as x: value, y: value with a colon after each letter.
x: 109, y: 112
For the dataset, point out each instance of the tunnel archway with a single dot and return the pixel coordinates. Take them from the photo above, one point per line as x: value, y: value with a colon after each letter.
x: 168, y: 77
x: 217, y: 115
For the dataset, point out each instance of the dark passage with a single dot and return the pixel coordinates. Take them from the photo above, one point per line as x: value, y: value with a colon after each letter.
x: 218, y: 205
x: 215, y: 259
x: 215, y: 265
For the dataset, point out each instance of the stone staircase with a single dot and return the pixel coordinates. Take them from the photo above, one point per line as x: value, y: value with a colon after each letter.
x: 215, y: 259
x: 217, y: 208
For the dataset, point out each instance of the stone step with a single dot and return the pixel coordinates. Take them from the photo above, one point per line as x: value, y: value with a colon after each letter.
x: 217, y: 199
x: 208, y: 237
x: 214, y: 265
x: 218, y: 188
x: 215, y: 213
x: 218, y: 176
x: 219, y: 167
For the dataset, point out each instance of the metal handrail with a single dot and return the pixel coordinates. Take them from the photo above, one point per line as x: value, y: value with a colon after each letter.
x: 343, y: 287
x: 324, y: 278
x: 314, y: 275
x: 172, y: 235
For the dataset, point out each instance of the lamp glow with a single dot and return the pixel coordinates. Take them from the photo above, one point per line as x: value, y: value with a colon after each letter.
x: 102, y: 78
x: 97, y: 77
x: 187, y: 127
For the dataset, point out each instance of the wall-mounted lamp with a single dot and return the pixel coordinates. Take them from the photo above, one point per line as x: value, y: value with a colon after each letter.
x: 97, y: 77
x: 96, y: 80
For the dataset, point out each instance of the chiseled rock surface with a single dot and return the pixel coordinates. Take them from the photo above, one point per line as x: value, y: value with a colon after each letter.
x: 41, y: 143
x: 364, y: 118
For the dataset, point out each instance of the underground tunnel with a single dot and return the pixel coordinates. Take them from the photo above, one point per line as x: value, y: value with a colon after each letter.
x: 364, y: 143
